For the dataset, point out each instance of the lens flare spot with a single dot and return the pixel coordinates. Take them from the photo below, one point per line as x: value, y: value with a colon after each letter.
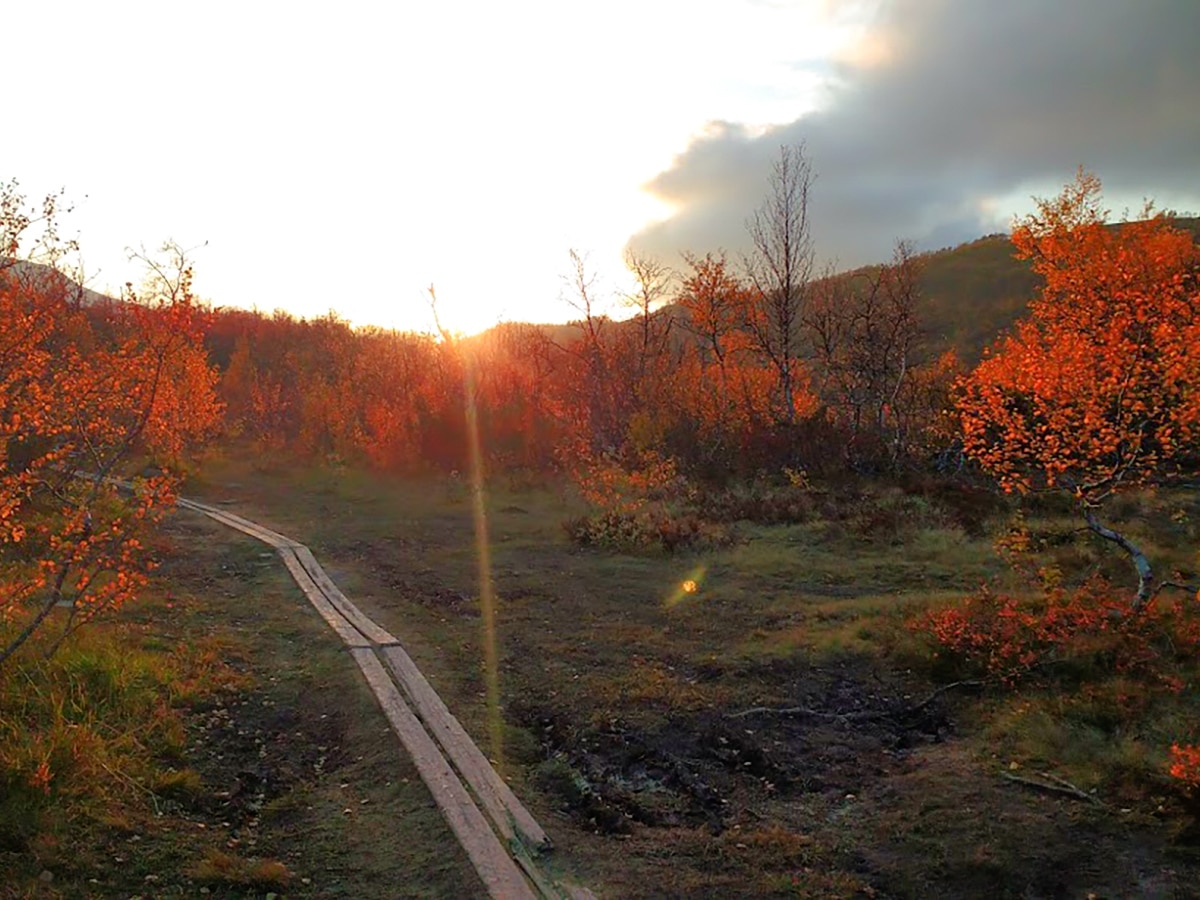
x: 686, y: 588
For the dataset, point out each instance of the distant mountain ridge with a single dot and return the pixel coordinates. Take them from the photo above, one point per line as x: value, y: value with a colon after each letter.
x: 25, y: 270
x: 969, y: 295
x: 972, y: 293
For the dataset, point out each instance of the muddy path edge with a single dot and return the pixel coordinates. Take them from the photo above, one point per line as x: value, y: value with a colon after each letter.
x: 456, y: 772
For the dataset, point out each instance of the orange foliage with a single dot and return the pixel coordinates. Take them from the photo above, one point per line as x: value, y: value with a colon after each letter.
x: 1100, y: 386
x: 925, y: 406
x: 612, y: 487
x: 1185, y: 764
x: 716, y: 302
x: 728, y: 391
x: 1005, y: 638
x: 544, y: 398
x: 81, y: 391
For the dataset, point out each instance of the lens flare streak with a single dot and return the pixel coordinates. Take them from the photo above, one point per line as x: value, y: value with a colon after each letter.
x: 688, y: 587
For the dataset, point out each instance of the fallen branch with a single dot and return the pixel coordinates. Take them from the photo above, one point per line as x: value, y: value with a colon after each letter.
x: 1054, y: 785
x: 943, y: 689
x: 798, y: 711
x: 1176, y: 586
x: 851, y: 716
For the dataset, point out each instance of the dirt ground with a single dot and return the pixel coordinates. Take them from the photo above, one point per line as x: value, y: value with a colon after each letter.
x: 291, y: 783
x: 624, y: 725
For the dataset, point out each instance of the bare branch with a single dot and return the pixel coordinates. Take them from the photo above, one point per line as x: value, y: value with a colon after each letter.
x: 1053, y: 785
x: 780, y: 267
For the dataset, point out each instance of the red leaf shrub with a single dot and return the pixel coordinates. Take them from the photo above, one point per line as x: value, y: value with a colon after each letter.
x: 1185, y: 764
x: 1005, y: 638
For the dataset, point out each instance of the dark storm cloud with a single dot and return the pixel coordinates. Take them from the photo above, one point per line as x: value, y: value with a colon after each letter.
x: 975, y: 99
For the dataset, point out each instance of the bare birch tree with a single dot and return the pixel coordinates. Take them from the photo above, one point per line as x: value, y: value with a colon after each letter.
x: 864, y: 333
x: 779, y: 268
x: 653, y: 288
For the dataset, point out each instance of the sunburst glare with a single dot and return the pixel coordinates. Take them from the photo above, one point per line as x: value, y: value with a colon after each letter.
x: 688, y: 587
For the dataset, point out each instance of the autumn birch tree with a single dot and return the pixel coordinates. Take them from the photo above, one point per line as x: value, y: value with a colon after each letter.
x: 82, y: 390
x: 1098, y: 390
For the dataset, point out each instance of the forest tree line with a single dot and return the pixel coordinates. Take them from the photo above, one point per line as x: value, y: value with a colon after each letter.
x: 725, y: 371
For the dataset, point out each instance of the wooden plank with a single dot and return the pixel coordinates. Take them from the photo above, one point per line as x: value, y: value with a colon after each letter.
x: 266, y: 535
x: 510, y: 816
x: 274, y: 540
x: 340, y: 601
x: 251, y: 528
x: 496, y: 868
x: 501, y: 804
x: 347, y: 632
x: 544, y: 887
x: 316, y: 573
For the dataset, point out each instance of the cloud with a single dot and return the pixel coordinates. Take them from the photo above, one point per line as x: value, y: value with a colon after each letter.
x: 949, y: 113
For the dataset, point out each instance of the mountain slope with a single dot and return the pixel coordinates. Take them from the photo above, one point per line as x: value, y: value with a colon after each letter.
x: 972, y: 293
x: 52, y: 279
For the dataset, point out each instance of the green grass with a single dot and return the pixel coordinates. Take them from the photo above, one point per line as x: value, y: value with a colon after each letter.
x: 607, y: 649
x: 615, y: 683
x: 218, y: 735
x: 92, y: 726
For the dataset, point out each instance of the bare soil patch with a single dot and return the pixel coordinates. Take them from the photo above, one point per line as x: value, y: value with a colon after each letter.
x: 619, y: 702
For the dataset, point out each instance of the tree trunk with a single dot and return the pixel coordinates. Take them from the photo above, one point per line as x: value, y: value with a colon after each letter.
x: 1145, y: 571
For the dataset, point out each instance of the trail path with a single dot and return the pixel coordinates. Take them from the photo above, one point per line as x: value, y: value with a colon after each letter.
x: 499, y: 835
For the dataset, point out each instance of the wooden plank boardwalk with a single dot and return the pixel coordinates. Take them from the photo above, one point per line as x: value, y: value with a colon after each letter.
x: 500, y: 836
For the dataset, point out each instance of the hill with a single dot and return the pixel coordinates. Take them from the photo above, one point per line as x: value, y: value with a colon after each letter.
x: 57, y: 281
x: 968, y: 295
x: 971, y: 293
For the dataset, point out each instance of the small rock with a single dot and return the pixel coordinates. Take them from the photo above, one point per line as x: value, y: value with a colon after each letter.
x: 46, y: 877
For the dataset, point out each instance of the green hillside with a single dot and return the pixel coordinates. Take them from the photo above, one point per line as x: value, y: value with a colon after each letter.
x: 971, y: 293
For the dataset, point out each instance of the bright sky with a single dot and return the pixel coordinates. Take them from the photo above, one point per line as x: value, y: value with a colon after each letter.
x: 345, y: 156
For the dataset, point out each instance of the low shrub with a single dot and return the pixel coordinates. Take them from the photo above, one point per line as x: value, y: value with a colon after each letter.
x: 639, y: 506
x: 96, y: 723
x: 612, y: 529
x: 225, y: 869
x: 969, y: 505
x: 1185, y: 765
x: 1097, y: 669
x: 646, y: 531
x: 762, y: 504
x: 1007, y: 639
